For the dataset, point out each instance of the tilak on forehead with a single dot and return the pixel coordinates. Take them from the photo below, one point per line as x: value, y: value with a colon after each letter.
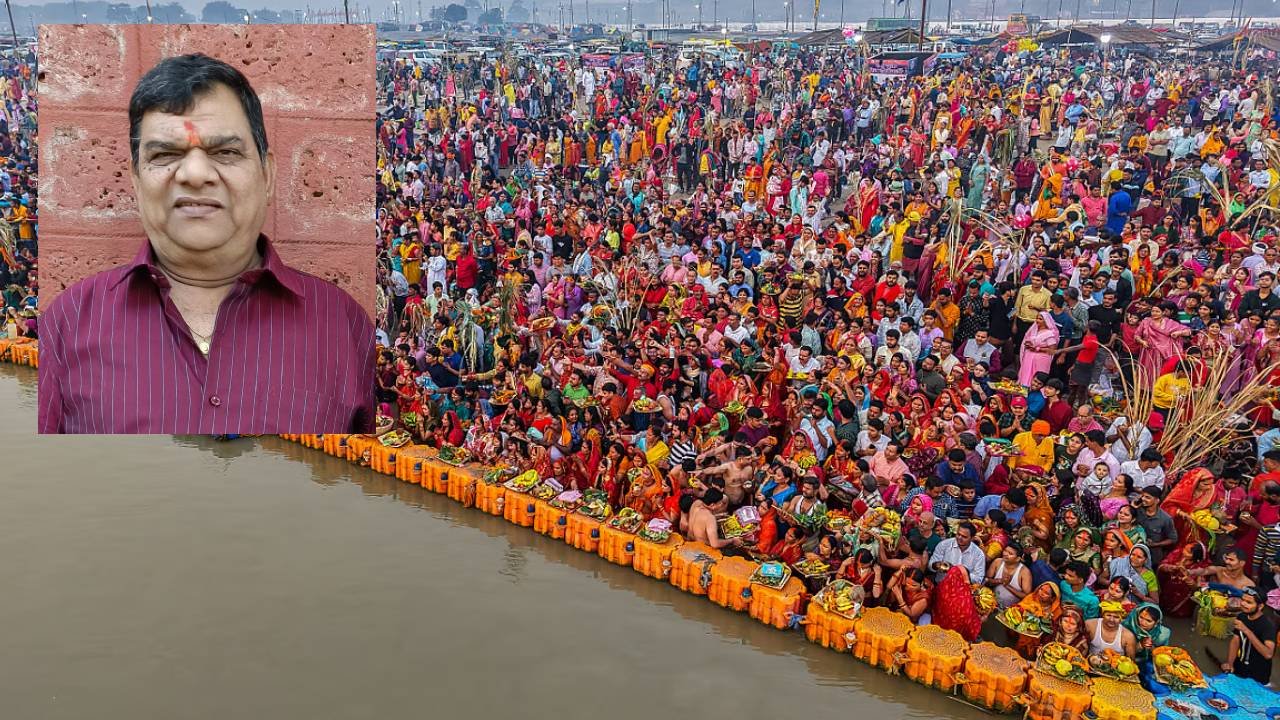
x: 193, y: 137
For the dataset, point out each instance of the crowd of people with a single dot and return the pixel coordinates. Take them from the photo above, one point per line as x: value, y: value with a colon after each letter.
x: 784, y: 284
x: 18, y: 197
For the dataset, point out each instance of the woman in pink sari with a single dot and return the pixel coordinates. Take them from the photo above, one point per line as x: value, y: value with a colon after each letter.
x: 868, y: 201
x: 1160, y: 337
x: 1037, y: 348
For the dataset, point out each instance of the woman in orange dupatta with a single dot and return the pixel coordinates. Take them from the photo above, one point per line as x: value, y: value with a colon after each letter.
x: 1038, y: 520
x: 647, y: 493
x: 1044, y: 603
x: 1197, y: 490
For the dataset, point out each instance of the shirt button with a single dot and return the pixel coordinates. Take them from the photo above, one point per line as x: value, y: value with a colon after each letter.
x: 215, y: 401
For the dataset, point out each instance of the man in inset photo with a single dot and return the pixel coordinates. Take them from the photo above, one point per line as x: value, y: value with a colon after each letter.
x: 205, y: 330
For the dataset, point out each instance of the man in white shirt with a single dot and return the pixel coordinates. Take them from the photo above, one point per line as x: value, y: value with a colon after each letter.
x: 979, y: 348
x: 960, y: 550
x: 1146, y: 470
x: 1138, y: 436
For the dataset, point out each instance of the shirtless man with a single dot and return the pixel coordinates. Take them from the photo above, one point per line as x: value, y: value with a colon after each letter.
x: 736, y: 474
x: 1230, y: 572
x: 703, y: 526
x: 1106, y: 633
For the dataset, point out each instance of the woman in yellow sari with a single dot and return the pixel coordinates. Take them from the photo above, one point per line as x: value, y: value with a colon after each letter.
x: 411, y: 254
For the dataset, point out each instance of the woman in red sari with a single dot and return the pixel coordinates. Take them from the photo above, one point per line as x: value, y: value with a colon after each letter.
x: 1176, y: 585
x: 1196, y: 490
x: 953, y: 607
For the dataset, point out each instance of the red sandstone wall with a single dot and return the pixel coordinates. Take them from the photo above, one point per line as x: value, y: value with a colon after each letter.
x: 316, y: 83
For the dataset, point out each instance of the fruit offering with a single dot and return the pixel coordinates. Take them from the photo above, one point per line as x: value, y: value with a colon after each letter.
x: 1005, y: 385
x: 627, y: 520
x: 771, y: 574
x: 1114, y: 665
x: 841, y: 597
x: 985, y: 598
x: 1001, y: 447
x: 595, y: 506
x: 395, y: 438
x: 658, y: 530
x: 882, y: 522
x: 812, y: 567
x: 731, y: 527
x: 567, y: 500
x: 1023, y: 623
x: 1063, y: 661
x: 1206, y: 520
x: 523, y: 482
x: 455, y: 456
x: 1175, y: 668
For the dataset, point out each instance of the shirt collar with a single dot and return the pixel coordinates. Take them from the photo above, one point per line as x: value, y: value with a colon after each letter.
x: 272, y: 265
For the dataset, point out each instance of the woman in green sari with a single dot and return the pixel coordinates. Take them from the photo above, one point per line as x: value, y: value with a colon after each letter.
x: 1146, y: 623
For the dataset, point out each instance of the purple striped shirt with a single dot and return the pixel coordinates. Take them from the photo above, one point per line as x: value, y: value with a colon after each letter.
x: 291, y: 353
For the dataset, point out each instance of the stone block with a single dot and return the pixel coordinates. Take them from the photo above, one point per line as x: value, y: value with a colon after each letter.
x: 322, y: 71
x: 87, y: 66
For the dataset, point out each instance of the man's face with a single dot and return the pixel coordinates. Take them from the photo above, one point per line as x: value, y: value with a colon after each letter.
x: 200, y: 183
x: 963, y: 538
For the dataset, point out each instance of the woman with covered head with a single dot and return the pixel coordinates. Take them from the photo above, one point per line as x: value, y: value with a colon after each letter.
x: 1045, y: 604
x: 1038, y: 346
x: 1136, y: 568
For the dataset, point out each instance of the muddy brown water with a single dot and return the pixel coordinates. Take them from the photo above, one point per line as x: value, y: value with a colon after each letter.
x: 159, y: 577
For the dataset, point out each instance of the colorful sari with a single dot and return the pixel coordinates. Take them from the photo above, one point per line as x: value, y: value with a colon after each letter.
x: 953, y: 607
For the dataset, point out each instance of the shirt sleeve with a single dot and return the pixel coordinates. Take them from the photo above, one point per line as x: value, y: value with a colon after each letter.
x: 49, y: 383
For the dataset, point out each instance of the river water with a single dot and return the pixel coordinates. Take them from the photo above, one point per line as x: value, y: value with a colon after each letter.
x: 158, y: 577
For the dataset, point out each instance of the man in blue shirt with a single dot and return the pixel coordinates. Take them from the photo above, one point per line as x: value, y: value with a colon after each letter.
x: 1013, y: 503
x: 955, y: 471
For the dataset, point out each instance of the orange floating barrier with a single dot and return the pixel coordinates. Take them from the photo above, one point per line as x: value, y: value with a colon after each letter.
x: 518, y: 509
x: 654, y: 559
x: 411, y: 461
x: 382, y: 458
x: 616, y: 546
x: 880, y: 635
x: 934, y: 656
x: 731, y: 583
x: 776, y: 606
x: 435, y: 475
x: 462, y: 484
x: 826, y: 628
x: 691, y: 567
x: 548, y: 520
x: 1052, y: 698
x: 336, y: 445
x: 1119, y: 700
x: 582, y: 532
x: 994, y: 676
x: 491, y: 498
x: 360, y: 449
